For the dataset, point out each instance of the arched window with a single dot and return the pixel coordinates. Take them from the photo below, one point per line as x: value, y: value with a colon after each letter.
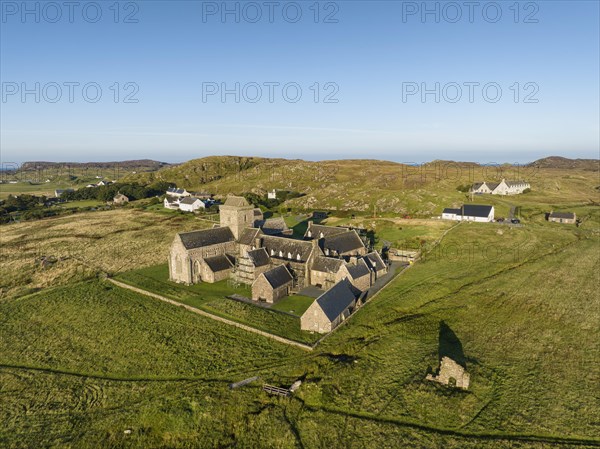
x: 289, y: 255
x: 272, y: 252
x: 280, y: 254
x: 298, y: 257
x: 178, y: 267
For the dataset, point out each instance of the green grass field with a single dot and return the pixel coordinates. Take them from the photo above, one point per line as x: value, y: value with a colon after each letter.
x: 213, y: 298
x: 85, y: 364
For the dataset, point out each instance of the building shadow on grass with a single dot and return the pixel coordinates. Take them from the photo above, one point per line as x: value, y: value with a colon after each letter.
x: 449, y: 345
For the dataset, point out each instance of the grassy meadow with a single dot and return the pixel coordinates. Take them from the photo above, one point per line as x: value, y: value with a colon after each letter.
x: 85, y: 364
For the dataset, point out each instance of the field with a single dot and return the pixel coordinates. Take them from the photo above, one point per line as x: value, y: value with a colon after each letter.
x: 212, y: 298
x: 86, y: 364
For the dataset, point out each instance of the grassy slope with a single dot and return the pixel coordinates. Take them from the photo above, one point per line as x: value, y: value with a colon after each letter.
x: 383, y: 186
x: 110, y: 241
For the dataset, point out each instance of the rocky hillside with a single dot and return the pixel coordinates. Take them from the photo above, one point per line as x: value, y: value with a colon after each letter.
x: 372, y: 186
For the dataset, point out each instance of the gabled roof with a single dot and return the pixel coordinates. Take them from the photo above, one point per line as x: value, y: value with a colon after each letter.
x: 219, y: 263
x: 327, y: 264
x: 342, y: 243
x: 120, y: 196
x: 236, y: 201
x: 278, y: 276
x: 176, y: 190
x: 171, y: 199
x: 248, y: 236
x: 287, y: 245
x: 206, y: 237
x: 314, y: 231
x: 516, y: 183
x: 259, y: 257
x: 477, y: 185
x: 337, y: 299
x: 567, y: 215
x: 476, y: 210
x: 258, y: 212
x: 273, y: 226
x: 375, y: 261
x: 451, y: 211
x: 359, y: 270
x: 190, y: 200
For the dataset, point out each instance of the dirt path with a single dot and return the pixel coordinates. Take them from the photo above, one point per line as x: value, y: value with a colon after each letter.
x: 212, y: 317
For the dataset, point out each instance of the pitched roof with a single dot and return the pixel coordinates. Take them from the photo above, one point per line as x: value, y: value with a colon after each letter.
x: 272, y: 226
x: 236, y: 201
x: 206, y: 237
x: 218, y: 263
x: 248, y: 236
x: 287, y: 245
x: 259, y: 257
x: 337, y: 299
x: 567, y: 215
x: 171, y: 199
x: 476, y: 210
x: 375, y: 261
x: 342, y: 243
x: 190, y: 200
x: 120, y: 196
x: 314, y: 231
x: 359, y: 270
x: 477, y: 185
x: 175, y: 190
x: 451, y: 211
x: 278, y: 276
x: 258, y: 212
x: 492, y: 185
x: 327, y: 264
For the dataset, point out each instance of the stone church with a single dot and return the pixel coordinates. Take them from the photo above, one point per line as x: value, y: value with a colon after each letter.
x: 245, y: 248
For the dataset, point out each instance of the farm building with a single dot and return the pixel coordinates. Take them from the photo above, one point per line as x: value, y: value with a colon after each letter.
x: 330, y: 309
x: 120, y: 199
x: 191, y: 204
x: 470, y: 212
x: 178, y: 193
x: 171, y: 202
x: 272, y: 285
x: 563, y: 217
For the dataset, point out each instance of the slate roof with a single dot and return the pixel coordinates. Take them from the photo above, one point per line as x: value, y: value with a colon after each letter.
x: 359, y: 270
x: 337, y: 299
x: 567, y: 215
x: 327, y: 264
x: 516, y: 183
x: 219, y: 263
x: 327, y: 231
x: 476, y: 210
x: 171, y: 199
x: 375, y: 261
x: 206, y: 237
x: 236, y: 201
x: 259, y: 257
x: 342, y: 243
x: 287, y: 245
x: 451, y: 211
x: 492, y: 185
x: 273, y: 226
x: 248, y: 236
x: 278, y: 276
x: 477, y: 185
x: 176, y: 190
x: 190, y: 200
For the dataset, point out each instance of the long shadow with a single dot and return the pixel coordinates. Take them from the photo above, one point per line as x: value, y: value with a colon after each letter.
x: 449, y: 345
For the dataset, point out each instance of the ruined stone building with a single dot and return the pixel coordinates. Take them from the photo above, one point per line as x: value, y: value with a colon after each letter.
x: 452, y: 374
x: 248, y: 248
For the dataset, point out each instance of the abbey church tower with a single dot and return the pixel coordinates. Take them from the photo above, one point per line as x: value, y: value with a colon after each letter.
x: 237, y: 214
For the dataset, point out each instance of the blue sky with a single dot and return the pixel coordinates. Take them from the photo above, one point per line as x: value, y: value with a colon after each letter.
x: 373, y: 53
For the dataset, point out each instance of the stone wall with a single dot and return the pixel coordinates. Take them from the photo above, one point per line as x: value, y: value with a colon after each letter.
x: 451, y: 373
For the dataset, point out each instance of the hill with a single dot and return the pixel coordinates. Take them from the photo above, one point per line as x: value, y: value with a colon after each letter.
x: 141, y: 164
x: 565, y: 163
x: 382, y: 188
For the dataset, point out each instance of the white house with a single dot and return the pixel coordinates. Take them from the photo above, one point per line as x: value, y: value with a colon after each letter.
x: 171, y: 202
x: 503, y: 187
x: 191, y: 204
x: 470, y: 212
x: 272, y: 194
x: 178, y: 193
